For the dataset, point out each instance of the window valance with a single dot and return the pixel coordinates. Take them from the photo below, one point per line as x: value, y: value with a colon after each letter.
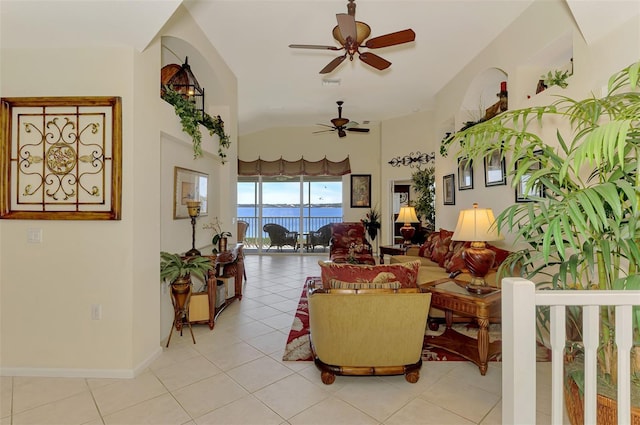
x: 282, y: 167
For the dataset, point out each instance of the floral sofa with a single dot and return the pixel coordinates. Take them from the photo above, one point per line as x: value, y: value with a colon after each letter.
x: 440, y: 257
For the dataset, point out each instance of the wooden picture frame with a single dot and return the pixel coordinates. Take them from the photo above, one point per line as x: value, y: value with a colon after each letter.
x: 189, y: 185
x: 449, y: 189
x: 521, y: 196
x: 465, y: 174
x: 360, y: 190
x: 495, y: 172
x: 61, y: 158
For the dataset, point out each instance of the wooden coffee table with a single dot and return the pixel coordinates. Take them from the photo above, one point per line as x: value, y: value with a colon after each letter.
x: 451, y: 296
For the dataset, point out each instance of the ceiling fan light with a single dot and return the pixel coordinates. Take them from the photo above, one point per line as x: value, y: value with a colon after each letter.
x: 363, y: 31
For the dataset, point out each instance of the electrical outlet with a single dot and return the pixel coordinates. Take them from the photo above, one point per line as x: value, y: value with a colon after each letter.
x: 96, y: 312
x: 34, y: 235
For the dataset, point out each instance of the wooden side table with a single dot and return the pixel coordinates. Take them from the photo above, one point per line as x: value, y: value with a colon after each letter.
x: 451, y: 296
x: 398, y: 249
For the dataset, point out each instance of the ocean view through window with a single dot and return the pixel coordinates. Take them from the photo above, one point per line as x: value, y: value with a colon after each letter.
x: 301, y: 205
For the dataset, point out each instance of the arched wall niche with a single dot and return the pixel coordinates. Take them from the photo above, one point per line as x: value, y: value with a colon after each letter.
x: 174, y: 50
x: 481, y: 94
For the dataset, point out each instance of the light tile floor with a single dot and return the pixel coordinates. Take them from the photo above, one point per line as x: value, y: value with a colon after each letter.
x: 235, y: 375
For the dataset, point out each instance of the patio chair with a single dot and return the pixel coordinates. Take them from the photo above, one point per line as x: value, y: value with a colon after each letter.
x: 320, y: 237
x: 280, y: 236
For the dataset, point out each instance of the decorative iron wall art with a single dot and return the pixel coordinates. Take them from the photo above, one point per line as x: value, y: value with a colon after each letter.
x: 413, y: 159
x: 60, y: 158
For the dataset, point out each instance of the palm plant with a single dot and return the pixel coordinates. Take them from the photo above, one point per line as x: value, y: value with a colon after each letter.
x: 583, y: 231
x: 174, y: 266
x: 424, y: 183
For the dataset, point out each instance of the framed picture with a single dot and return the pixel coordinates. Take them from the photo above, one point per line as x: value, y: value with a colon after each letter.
x: 465, y: 174
x: 449, y: 189
x: 494, y: 170
x: 521, y: 194
x: 61, y: 158
x: 189, y: 185
x: 360, y: 190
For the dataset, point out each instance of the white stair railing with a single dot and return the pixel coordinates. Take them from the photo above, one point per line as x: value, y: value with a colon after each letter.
x: 519, y: 301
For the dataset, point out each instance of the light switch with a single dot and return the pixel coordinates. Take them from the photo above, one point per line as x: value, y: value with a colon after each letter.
x: 34, y: 235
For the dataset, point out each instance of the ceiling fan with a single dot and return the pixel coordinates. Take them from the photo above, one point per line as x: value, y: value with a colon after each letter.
x: 351, y: 35
x: 342, y: 125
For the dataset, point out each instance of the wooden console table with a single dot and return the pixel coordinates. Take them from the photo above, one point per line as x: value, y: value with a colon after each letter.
x: 397, y: 249
x: 228, y: 264
x: 451, y: 296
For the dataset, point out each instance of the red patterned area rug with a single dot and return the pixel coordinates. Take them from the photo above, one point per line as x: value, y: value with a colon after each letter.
x: 298, y: 346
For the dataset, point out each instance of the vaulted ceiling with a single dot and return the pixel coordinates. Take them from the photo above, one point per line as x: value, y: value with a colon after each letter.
x: 280, y: 86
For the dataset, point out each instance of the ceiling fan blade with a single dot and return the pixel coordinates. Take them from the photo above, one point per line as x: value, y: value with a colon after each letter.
x: 326, y: 125
x: 323, y: 131
x: 374, y: 60
x: 347, y: 25
x: 333, y: 64
x: 392, y: 39
x: 313, y: 46
x: 357, y: 129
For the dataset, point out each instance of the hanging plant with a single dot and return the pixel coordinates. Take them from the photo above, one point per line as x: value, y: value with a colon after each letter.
x: 191, y: 118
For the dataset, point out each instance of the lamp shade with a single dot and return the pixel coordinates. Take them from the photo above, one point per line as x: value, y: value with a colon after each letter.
x: 407, y: 215
x: 476, y: 225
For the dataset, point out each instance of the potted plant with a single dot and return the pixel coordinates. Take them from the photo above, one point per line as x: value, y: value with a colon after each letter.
x: 178, y: 270
x: 191, y: 118
x: 371, y: 222
x: 556, y: 78
x: 582, y: 228
x: 220, y: 236
x: 424, y: 184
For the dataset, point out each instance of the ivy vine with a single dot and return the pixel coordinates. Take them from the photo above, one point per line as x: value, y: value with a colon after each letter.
x: 191, y: 119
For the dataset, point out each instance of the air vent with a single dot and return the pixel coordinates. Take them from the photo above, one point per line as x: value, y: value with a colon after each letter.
x: 331, y: 82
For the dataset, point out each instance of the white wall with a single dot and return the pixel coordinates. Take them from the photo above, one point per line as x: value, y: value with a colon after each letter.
x: 534, y: 35
x: 47, y: 289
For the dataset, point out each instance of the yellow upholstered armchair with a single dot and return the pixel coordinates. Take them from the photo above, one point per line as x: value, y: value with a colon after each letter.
x: 368, y: 331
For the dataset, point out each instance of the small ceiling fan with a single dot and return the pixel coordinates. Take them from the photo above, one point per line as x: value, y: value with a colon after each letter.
x: 342, y: 125
x: 351, y: 35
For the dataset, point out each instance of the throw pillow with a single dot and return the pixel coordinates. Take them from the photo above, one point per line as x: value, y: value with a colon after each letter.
x: 405, y: 273
x: 441, y: 247
x: 501, y: 255
x: 427, y: 246
x: 455, y: 262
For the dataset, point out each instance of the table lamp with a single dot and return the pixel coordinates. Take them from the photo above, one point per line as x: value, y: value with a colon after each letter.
x: 477, y: 225
x: 407, y: 216
x: 193, y: 207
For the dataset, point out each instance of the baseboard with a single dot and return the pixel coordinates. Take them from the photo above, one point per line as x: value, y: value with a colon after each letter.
x: 81, y: 373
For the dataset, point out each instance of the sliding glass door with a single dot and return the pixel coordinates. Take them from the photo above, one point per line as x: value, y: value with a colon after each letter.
x: 293, y: 206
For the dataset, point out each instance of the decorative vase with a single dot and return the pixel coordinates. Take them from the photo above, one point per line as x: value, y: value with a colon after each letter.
x: 222, y: 245
x: 179, y: 292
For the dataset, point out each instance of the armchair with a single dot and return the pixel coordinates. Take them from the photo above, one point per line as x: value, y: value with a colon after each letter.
x: 280, y: 236
x: 349, y: 244
x: 368, y: 331
x: 322, y: 236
